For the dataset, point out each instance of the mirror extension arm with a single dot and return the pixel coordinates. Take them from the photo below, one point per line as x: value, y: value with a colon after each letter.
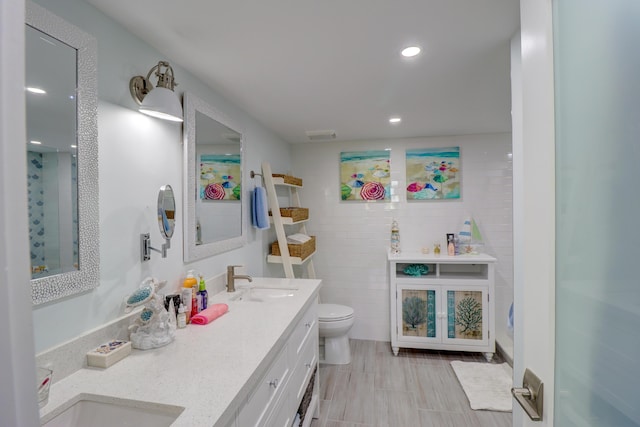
x: 146, y: 248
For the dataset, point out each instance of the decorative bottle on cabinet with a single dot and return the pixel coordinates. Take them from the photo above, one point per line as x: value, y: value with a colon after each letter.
x: 395, y: 238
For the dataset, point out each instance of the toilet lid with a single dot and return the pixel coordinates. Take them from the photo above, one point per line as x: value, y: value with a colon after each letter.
x: 333, y: 312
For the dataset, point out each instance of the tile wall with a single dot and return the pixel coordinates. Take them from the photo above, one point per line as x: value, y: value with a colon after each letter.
x: 352, y: 237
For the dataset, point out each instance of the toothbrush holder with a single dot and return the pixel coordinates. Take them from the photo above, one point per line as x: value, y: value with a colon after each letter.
x: 44, y: 382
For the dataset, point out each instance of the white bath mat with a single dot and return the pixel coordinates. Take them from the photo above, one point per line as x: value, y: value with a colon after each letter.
x: 487, y: 386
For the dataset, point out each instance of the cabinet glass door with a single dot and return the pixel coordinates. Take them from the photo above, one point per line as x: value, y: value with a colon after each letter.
x: 466, y: 316
x: 417, y: 310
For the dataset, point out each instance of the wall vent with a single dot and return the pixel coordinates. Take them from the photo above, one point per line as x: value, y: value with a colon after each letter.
x: 321, y: 135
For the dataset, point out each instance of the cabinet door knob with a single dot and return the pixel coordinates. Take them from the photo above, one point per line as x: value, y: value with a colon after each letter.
x: 274, y: 383
x: 308, y: 324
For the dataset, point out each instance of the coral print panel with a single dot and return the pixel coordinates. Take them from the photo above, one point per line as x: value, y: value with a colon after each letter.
x: 419, y: 313
x: 364, y: 175
x: 433, y: 173
x: 464, y: 314
x: 217, y: 175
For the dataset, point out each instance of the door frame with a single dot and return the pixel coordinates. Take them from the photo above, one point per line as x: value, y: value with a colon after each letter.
x: 534, y: 205
x: 18, y: 404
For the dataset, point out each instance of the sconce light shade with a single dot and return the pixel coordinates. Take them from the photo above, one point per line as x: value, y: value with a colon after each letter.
x: 161, y: 101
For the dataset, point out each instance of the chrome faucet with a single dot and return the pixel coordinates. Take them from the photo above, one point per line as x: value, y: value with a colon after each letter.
x: 232, y: 276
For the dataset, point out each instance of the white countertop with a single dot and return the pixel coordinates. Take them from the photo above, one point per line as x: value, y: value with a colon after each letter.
x: 207, y: 369
x: 415, y: 256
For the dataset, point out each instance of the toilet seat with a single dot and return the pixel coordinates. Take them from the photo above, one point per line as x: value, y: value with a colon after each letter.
x: 334, y: 312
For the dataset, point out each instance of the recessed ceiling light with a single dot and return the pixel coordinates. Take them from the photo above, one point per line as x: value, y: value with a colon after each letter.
x: 36, y: 90
x: 36, y: 142
x: 395, y: 120
x: 410, y: 51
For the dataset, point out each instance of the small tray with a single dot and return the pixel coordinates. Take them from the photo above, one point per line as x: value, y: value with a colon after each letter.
x: 288, y: 179
x: 109, y: 353
x: 299, y: 250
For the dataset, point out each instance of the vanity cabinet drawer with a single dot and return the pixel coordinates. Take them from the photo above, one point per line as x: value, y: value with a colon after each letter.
x: 304, y: 369
x: 283, y: 413
x: 307, y: 327
x: 255, y: 410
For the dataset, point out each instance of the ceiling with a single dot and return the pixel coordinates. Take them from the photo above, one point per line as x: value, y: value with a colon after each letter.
x: 307, y: 65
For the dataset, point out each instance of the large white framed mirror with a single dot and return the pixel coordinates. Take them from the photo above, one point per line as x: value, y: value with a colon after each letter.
x: 213, y: 204
x: 62, y: 156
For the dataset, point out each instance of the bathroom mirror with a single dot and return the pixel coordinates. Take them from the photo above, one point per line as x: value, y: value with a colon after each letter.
x: 213, y: 218
x: 62, y: 156
x: 166, y: 211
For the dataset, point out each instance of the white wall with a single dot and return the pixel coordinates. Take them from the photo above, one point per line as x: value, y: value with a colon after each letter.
x: 137, y: 155
x: 352, y: 237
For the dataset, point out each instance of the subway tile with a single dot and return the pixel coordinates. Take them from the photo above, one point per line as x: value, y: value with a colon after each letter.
x: 353, y: 237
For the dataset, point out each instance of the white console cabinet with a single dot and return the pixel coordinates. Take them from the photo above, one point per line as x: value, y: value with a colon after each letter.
x: 451, y: 307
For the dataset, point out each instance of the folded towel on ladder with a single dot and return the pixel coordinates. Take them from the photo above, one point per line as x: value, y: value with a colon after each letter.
x: 259, y: 209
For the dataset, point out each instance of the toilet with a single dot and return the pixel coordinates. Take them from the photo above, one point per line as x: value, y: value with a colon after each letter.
x: 334, y: 323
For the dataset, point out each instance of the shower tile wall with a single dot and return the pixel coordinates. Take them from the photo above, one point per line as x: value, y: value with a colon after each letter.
x: 353, y: 237
x: 36, y: 210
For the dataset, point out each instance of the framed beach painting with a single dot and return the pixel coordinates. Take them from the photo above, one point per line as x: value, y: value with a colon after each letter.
x: 364, y: 175
x: 218, y: 175
x: 433, y: 173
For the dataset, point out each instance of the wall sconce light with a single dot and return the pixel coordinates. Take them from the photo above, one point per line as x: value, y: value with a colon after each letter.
x: 161, y: 101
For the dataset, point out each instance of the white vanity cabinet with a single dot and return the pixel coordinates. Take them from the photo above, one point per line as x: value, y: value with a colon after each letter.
x: 274, y: 401
x: 451, y: 307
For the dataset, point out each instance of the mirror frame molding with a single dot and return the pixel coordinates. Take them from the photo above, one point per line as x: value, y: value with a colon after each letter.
x: 193, y: 252
x: 87, y: 276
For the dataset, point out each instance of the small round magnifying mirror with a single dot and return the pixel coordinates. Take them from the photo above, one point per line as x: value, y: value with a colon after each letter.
x: 166, y: 211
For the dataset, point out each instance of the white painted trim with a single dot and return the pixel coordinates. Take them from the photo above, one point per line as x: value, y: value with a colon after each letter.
x: 18, y: 404
x: 534, y: 209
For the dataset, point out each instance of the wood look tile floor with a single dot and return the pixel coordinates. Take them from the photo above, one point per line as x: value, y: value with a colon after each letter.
x: 417, y: 388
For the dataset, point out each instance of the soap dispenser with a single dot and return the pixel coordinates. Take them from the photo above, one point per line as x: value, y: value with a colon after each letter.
x: 190, y: 281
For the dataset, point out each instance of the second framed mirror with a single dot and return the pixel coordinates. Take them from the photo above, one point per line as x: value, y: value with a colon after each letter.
x: 213, y: 205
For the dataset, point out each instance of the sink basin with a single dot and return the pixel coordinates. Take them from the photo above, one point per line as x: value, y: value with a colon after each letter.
x: 102, y: 411
x: 264, y: 294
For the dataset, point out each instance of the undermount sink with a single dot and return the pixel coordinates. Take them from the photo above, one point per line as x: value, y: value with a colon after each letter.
x: 102, y: 411
x: 263, y: 294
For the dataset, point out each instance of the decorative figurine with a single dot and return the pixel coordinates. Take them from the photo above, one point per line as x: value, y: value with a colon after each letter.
x: 395, y: 238
x: 436, y: 249
x: 153, y: 327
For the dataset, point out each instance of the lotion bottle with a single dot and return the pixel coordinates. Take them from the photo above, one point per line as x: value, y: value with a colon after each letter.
x: 182, y: 317
x: 186, y: 301
x: 203, y: 295
x: 451, y: 249
x: 194, y: 301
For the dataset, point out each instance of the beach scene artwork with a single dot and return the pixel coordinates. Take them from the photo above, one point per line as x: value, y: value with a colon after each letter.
x: 364, y: 175
x: 433, y: 173
x: 218, y: 175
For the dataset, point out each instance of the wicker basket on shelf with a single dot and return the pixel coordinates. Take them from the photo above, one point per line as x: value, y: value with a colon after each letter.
x: 298, y: 250
x: 288, y: 179
x: 296, y: 214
